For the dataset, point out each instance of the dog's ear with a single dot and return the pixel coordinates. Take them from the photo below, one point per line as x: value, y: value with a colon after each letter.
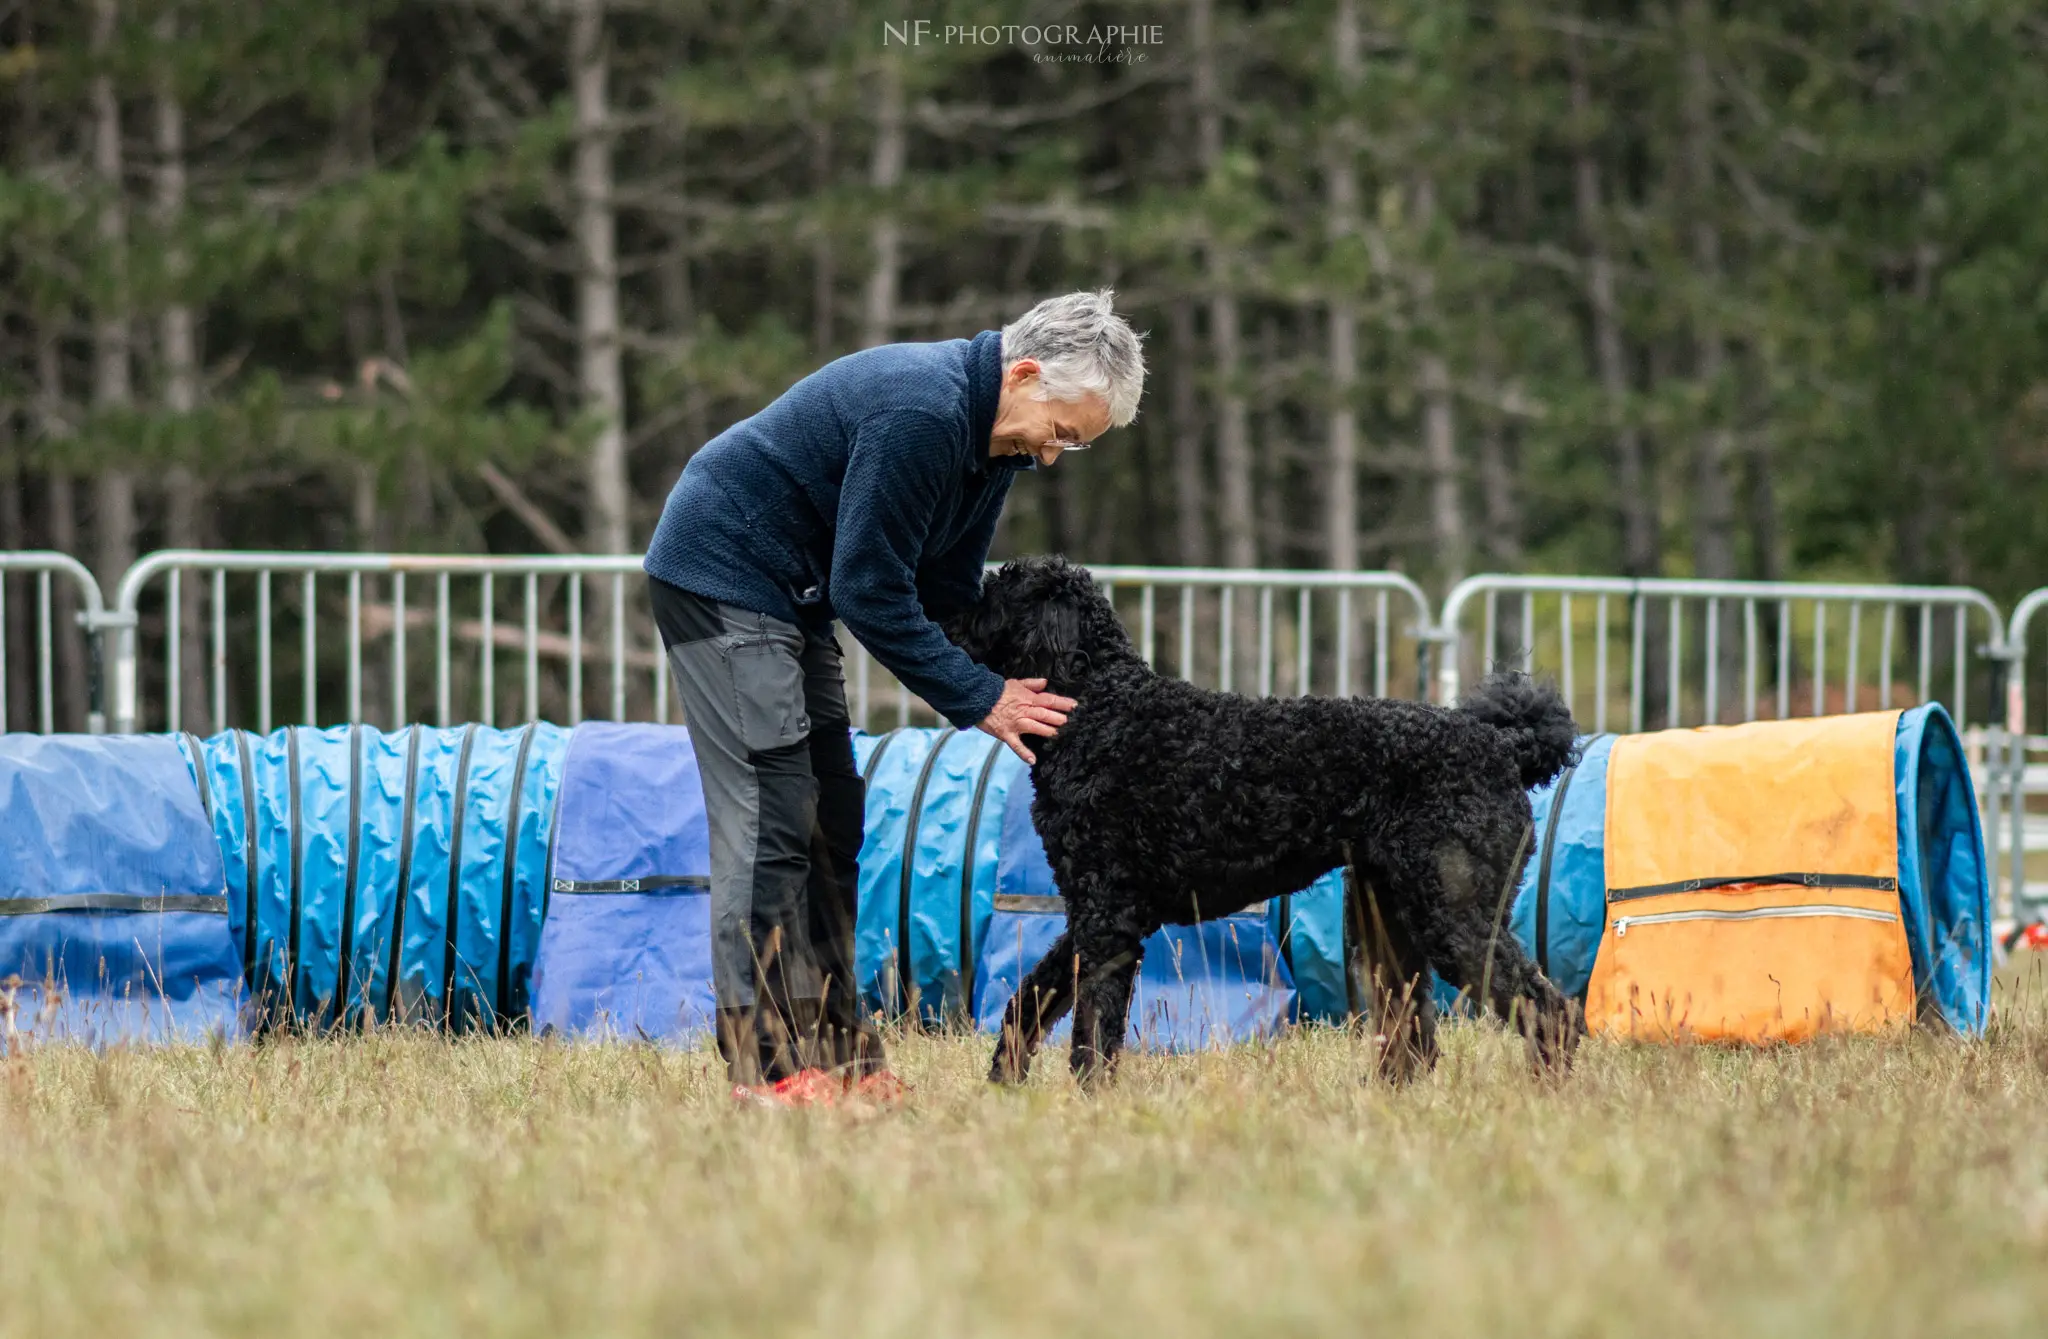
x: 1055, y: 652
x: 973, y: 629
x: 1062, y: 628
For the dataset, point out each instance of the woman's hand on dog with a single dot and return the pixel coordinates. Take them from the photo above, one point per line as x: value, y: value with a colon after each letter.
x: 1025, y: 708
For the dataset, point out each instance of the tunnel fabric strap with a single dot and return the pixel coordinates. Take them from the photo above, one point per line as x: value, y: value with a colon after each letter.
x: 645, y: 883
x: 211, y: 904
x: 1875, y: 882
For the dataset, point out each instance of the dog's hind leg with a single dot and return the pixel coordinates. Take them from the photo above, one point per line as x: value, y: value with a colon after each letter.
x: 1043, y: 998
x: 1394, y: 981
x: 1460, y: 898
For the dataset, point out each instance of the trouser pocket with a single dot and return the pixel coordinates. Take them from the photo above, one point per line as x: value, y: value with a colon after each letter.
x: 768, y: 693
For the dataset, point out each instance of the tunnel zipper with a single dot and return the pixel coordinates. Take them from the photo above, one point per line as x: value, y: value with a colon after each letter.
x: 1623, y: 923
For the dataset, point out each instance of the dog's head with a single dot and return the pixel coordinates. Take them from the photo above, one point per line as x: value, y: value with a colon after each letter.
x: 1041, y: 618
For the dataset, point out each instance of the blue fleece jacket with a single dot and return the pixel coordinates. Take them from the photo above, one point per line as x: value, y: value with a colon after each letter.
x: 865, y: 492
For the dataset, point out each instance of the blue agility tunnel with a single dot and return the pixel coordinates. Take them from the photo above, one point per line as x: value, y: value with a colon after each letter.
x: 928, y: 866
x: 113, y: 903
x: 473, y: 876
x: 1561, y: 909
x: 626, y: 947
x: 395, y: 876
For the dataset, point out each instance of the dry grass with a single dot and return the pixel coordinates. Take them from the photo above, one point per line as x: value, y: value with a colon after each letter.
x: 403, y: 1185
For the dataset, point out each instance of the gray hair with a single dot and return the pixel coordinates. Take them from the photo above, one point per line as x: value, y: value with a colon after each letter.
x: 1082, y: 347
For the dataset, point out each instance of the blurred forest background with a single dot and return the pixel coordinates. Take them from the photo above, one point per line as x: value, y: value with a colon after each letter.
x: 1671, y: 287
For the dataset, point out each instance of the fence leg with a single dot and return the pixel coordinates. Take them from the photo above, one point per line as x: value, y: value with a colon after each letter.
x: 98, y: 628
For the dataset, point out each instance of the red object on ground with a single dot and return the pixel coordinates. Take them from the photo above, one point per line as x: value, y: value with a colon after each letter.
x: 882, y: 1088
x: 2035, y: 936
x: 806, y: 1088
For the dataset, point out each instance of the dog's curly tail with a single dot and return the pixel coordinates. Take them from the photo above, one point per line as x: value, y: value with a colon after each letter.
x: 1535, y: 714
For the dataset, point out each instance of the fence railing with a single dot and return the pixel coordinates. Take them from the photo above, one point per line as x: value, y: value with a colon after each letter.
x: 51, y: 583
x: 2013, y: 771
x: 477, y: 638
x: 1668, y: 652
x: 236, y: 637
x: 201, y: 640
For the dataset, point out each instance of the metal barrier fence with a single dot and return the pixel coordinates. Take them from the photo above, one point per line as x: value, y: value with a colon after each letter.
x: 2013, y: 773
x: 524, y: 637
x: 503, y: 638
x: 1708, y: 652
x: 44, y: 613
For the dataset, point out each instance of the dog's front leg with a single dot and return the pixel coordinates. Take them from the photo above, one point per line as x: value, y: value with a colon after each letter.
x: 1042, y: 1000
x: 1110, y: 956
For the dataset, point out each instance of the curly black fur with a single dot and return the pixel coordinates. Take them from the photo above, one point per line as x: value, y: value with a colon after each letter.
x: 1163, y: 803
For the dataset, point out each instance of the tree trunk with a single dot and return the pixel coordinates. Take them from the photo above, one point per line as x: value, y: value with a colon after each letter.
x: 1713, y: 518
x: 178, y: 350
x: 1500, y: 503
x: 1440, y: 450
x: 114, y: 494
x: 599, y: 374
x: 17, y: 632
x: 1340, y: 474
x: 824, y: 264
x: 1633, y: 485
x: 61, y: 525
x: 1713, y: 502
x: 885, y: 238
x: 1236, y: 519
x: 1189, y: 460
x: 678, y: 301
x: 1270, y: 454
x: 1439, y: 418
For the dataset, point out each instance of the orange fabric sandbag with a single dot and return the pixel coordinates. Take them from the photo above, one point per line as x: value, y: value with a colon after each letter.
x: 1752, y: 884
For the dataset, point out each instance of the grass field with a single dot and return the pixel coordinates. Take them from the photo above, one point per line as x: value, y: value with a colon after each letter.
x: 400, y: 1185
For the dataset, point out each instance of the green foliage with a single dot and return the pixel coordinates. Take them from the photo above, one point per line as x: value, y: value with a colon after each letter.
x: 1822, y: 222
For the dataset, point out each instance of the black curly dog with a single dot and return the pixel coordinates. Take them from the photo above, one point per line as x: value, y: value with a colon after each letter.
x: 1163, y: 803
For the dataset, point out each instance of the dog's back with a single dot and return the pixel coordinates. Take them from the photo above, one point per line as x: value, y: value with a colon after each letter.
x: 1211, y: 801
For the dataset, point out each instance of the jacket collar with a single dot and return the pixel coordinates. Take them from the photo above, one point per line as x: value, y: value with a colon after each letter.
x: 984, y: 387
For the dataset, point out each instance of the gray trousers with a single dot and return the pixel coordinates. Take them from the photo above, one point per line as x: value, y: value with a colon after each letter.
x: 766, y: 705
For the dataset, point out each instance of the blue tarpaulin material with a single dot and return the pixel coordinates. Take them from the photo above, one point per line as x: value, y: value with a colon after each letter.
x: 345, y: 848
x: 626, y: 950
x: 928, y: 867
x: 1944, y: 888
x: 113, y: 906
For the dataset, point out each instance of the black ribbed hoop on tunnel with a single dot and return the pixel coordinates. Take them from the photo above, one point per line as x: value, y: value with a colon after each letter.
x: 967, y: 860
x: 513, y: 811
x: 906, y: 988
x: 452, y: 917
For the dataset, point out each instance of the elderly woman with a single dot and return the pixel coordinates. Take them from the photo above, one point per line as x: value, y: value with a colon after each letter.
x: 868, y: 492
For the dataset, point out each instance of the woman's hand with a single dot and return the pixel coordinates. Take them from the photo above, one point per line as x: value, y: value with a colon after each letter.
x: 1025, y: 708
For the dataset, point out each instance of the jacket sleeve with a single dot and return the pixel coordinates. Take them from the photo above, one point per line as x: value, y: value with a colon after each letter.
x: 895, y: 477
